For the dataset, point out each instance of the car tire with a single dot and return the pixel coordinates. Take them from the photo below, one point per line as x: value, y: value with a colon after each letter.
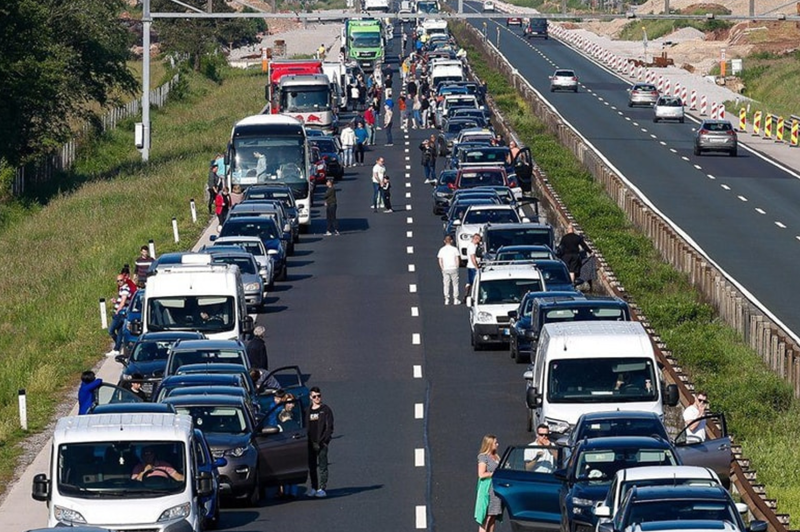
x: 697, y: 150
x: 254, y: 497
x: 519, y: 358
x: 655, y: 120
x: 476, y: 345
x: 681, y: 120
x: 630, y: 104
x: 528, y: 420
x: 575, y: 90
x: 212, y: 523
x: 284, y: 273
x: 734, y: 152
x: 552, y: 89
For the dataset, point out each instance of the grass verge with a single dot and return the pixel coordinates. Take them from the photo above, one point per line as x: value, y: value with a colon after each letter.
x: 759, y: 405
x: 772, y: 81
x: 66, y: 253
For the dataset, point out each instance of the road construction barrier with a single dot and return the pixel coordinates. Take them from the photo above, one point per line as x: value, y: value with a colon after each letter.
x: 742, y: 119
x: 721, y: 112
x: 779, y: 130
x: 757, y: 124
x: 793, y: 138
x: 684, y: 92
x: 677, y: 89
x: 693, y: 101
x: 714, y: 110
x: 660, y: 86
x: 703, y: 105
x: 667, y: 87
x: 640, y: 73
x: 768, y: 127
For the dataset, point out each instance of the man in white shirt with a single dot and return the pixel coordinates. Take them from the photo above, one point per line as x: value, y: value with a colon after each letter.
x: 378, y: 175
x: 696, y: 431
x: 537, y: 459
x: 348, y: 139
x: 472, y: 260
x: 449, y: 261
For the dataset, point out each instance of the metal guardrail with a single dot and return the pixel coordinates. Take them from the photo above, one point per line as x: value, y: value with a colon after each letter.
x: 743, y: 478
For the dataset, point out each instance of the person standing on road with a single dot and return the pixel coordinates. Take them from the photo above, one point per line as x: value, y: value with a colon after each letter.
x: 488, y: 507
x: 696, y: 431
x: 348, y: 140
x: 388, y: 114
x: 449, y: 261
x: 472, y: 260
x: 222, y: 204
x: 369, y: 120
x: 213, y: 185
x: 569, y: 250
x: 118, y: 319
x: 361, y: 141
x: 386, y: 193
x: 378, y: 174
x: 540, y: 460
x: 257, y: 349
x: 426, y: 158
x: 89, y: 383
x: 434, y: 154
x: 319, y: 421
x: 330, y: 209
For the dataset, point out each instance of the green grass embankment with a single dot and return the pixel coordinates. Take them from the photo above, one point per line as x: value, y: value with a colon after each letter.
x: 63, y: 256
x: 759, y: 405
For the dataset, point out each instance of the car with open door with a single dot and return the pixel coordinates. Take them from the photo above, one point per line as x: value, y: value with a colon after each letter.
x: 712, y: 452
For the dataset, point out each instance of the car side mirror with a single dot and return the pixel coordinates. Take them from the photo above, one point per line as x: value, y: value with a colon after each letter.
x: 248, y: 325
x: 741, y: 507
x: 136, y: 327
x: 122, y: 359
x: 528, y: 376
x: 602, y: 511
x: 269, y: 429
x: 220, y: 462
x: 526, y: 220
x: 212, y: 237
x: 272, y: 252
x: 41, y: 487
x: 757, y: 526
x: 512, y: 314
x: 456, y: 222
x: 532, y: 398
x: 671, y: 398
x: 204, y: 484
x: 444, y: 218
x: 469, y: 301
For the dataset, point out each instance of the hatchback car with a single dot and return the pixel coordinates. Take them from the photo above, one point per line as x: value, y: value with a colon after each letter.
x: 536, y: 27
x: 564, y: 80
x: 254, y: 288
x: 642, y: 94
x: 488, y: 5
x: 514, y: 21
x: 668, y: 108
x: 716, y: 135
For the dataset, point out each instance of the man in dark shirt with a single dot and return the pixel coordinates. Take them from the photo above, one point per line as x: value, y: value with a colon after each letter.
x: 143, y: 262
x: 569, y: 250
x: 330, y: 209
x: 257, y: 349
x: 319, y: 420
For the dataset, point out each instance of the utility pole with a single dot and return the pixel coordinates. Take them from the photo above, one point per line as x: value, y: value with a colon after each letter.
x: 210, y: 6
x: 752, y: 10
x: 666, y: 7
x: 147, y: 20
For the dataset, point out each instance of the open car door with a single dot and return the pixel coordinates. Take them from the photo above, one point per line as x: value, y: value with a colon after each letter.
x: 529, y: 488
x: 106, y: 394
x: 712, y: 453
x: 523, y: 167
x: 283, y: 451
x: 287, y: 378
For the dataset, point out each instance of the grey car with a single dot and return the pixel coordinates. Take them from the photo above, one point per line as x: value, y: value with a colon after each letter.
x: 254, y: 246
x: 564, y: 80
x: 254, y: 288
x: 716, y: 135
x: 668, y: 108
x: 642, y: 94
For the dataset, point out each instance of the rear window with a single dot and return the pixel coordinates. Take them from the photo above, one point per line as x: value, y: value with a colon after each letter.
x: 717, y: 126
x: 565, y: 73
x: 650, y: 88
x: 477, y: 179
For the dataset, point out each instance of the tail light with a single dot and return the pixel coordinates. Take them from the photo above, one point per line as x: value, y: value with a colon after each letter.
x: 731, y: 133
x: 703, y: 132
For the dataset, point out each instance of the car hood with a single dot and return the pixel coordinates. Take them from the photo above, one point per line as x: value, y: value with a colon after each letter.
x: 595, y: 490
x: 523, y: 323
x: 250, y: 278
x: 150, y: 369
x: 220, y: 441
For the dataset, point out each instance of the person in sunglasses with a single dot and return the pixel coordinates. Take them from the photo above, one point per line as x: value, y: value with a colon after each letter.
x: 540, y: 460
x: 319, y: 420
x: 696, y: 431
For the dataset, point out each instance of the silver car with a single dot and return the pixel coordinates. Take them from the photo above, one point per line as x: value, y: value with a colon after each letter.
x: 642, y: 94
x: 716, y: 135
x: 564, y: 80
x: 254, y: 289
x: 254, y: 246
x: 668, y: 108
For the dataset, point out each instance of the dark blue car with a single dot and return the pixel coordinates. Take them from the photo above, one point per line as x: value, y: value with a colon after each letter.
x: 521, y: 336
x: 207, y: 463
x: 548, y: 495
x: 269, y: 233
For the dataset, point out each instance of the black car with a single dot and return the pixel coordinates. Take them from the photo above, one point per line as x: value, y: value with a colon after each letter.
x: 269, y: 233
x: 495, y: 236
x: 443, y: 191
x: 453, y: 158
x: 276, y: 191
x: 331, y: 152
x: 536, y: 27
x: 199, y: 380
x: 617, y: 423
x: 149, y: 358
x: 556, y: 307
x: 478, y: 115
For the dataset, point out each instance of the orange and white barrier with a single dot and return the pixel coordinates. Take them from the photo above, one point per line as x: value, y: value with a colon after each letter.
x: 693, y: 101
x: 703, y: 105
x: 667, y: 87
x: 677, y: 90
x: 713, y: 110
x: 684, y: 92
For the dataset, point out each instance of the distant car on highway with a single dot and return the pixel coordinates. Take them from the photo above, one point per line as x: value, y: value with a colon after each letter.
x: 564, y: 80
x: 642, y: 94
x: 536, y: 27
x: 668, y: 108
x: 488, y: 5
x: 514, y: 21
x: 716, y: 135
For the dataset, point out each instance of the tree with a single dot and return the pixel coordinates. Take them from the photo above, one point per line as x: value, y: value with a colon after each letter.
x: 58, y: 60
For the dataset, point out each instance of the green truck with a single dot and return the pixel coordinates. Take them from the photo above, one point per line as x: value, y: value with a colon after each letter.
x: 364, y: 42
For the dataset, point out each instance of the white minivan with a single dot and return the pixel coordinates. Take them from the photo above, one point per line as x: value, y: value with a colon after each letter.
x: 99, y: 474
x: 588, y: 366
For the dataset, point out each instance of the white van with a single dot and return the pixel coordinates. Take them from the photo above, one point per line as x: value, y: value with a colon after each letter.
x: 446, y: 72
x: 197, y: 295
x: 97, y: 473
x: 589, y: 366
x: 337, y: 74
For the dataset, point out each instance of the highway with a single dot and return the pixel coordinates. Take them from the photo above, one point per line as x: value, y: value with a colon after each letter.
x: 740, y: 211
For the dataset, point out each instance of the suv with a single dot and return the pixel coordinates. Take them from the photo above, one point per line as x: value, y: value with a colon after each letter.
x: 476, y: 216
x: 642, y: 94
x: 498, y: 289
x: 269, y: 209
x: 275, y: 191
x: 716, y: 135
x: 536, y: 27
x: 268, y: 231
x: 496, y: 235
x: 563, y: 79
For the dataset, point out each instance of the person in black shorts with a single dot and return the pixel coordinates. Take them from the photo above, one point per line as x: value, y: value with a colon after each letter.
x: 569, y: 251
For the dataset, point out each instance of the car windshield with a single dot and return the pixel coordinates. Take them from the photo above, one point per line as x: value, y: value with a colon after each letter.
x: 554, y: 273
x: 602, y: 428
x: 203, y: 356
x: 254, y: 248
x: 265, y: 229
x: 681, y: 510
x: 283, y: 195
x: 625, y: 487
x: 245, y: 264
x: 471, y: 179
x: 483, y: 216
x: 148, y: 351
x: 110, y: 469
x: 269, y: 158
x: 453, y: 127
x: 191, y: 313
x: 644, y: 88
x: 521, y: 236
x: 325, y: 145
x: 602, y: 464
x: 489, y: 157
x: 217, y: 419
x: 447, y: 177
x: 670, y: 102
x: 564, y: 73
x: 584, y: 313
x: 524, y: 255
x: 717, y: 126
x: 601, y: 380
x: 309, y: 98
x: 505, y: 291
x: 136, y: 302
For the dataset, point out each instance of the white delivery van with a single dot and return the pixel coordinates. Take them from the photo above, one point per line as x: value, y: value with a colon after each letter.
x: 586, y: 366
x: 434, y: 26
x: 337, y: 74
x: 197, y: 295
x: 99, y: 474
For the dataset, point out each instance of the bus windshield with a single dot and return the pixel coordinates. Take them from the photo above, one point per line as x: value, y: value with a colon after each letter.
x: 267, y: 159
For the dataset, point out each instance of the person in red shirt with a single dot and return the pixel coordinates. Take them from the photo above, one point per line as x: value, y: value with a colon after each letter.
x: 369, y: 121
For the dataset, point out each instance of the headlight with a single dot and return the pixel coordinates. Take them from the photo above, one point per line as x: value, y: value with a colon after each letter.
x: 578, y: 501
x: 464, y: 236
x: 558, y: 426
x: 176, y: 512
x: 249, y: 287
x: 67, y: 516
x: 126, y: 376
x: 236, y: 452
x: 216, y: 453
x: 442, y: 194
x: 484, y: 317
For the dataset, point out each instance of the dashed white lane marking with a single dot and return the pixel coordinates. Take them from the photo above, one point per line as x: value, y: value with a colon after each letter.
x: 662, y: 143
x: 417, y: 371
x: 760, y: 211
x: 599, y: 99
x: 408, y: 167
x: 408, y: 207
x: 726, y: 187
x: 408, y: 184
x: 606, y: 103
x: 742, y: 198
x: 408, y: 195
x: 408, y: 175
x: 635, y: 124
x: 797, y: 237
x: 628, y: 118
x: 653, y: 136
x: 412, y: 288
x: 409, y: 220
x: 614, y: 107
x: 416, y: 338
x: 414, y: 312
x: 673, y: 150
x: 619, y: 113
x: 419, y: 457
x: 685, y: 158
x: 409, y: 234
x: 711, y: 176
x: 406, y: 149
x: 410, y: 250
x: 422, y: 520
x: 412, y: 268
x: 419, y: 410
x: 644, y: 130
x: 780, y: 225
x: 698, y: 167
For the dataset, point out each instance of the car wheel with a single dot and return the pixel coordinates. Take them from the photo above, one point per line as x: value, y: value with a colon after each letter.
x: 519, y: 358
x: 528, y: 420
x: 254, y: 497
x: 733, y: 152
x: 213, y: 522
x: 697, y: 150
x: 284, y: 273
x: 552, y: 89
x: 476, y: 345
x: 630, y: 104
x: 575, y: 89
x: 655, y: 119
x: 681, y: 120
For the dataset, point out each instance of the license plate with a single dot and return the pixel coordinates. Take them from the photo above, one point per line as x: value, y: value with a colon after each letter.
x: 248, y: 180
x: 716, y: 139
